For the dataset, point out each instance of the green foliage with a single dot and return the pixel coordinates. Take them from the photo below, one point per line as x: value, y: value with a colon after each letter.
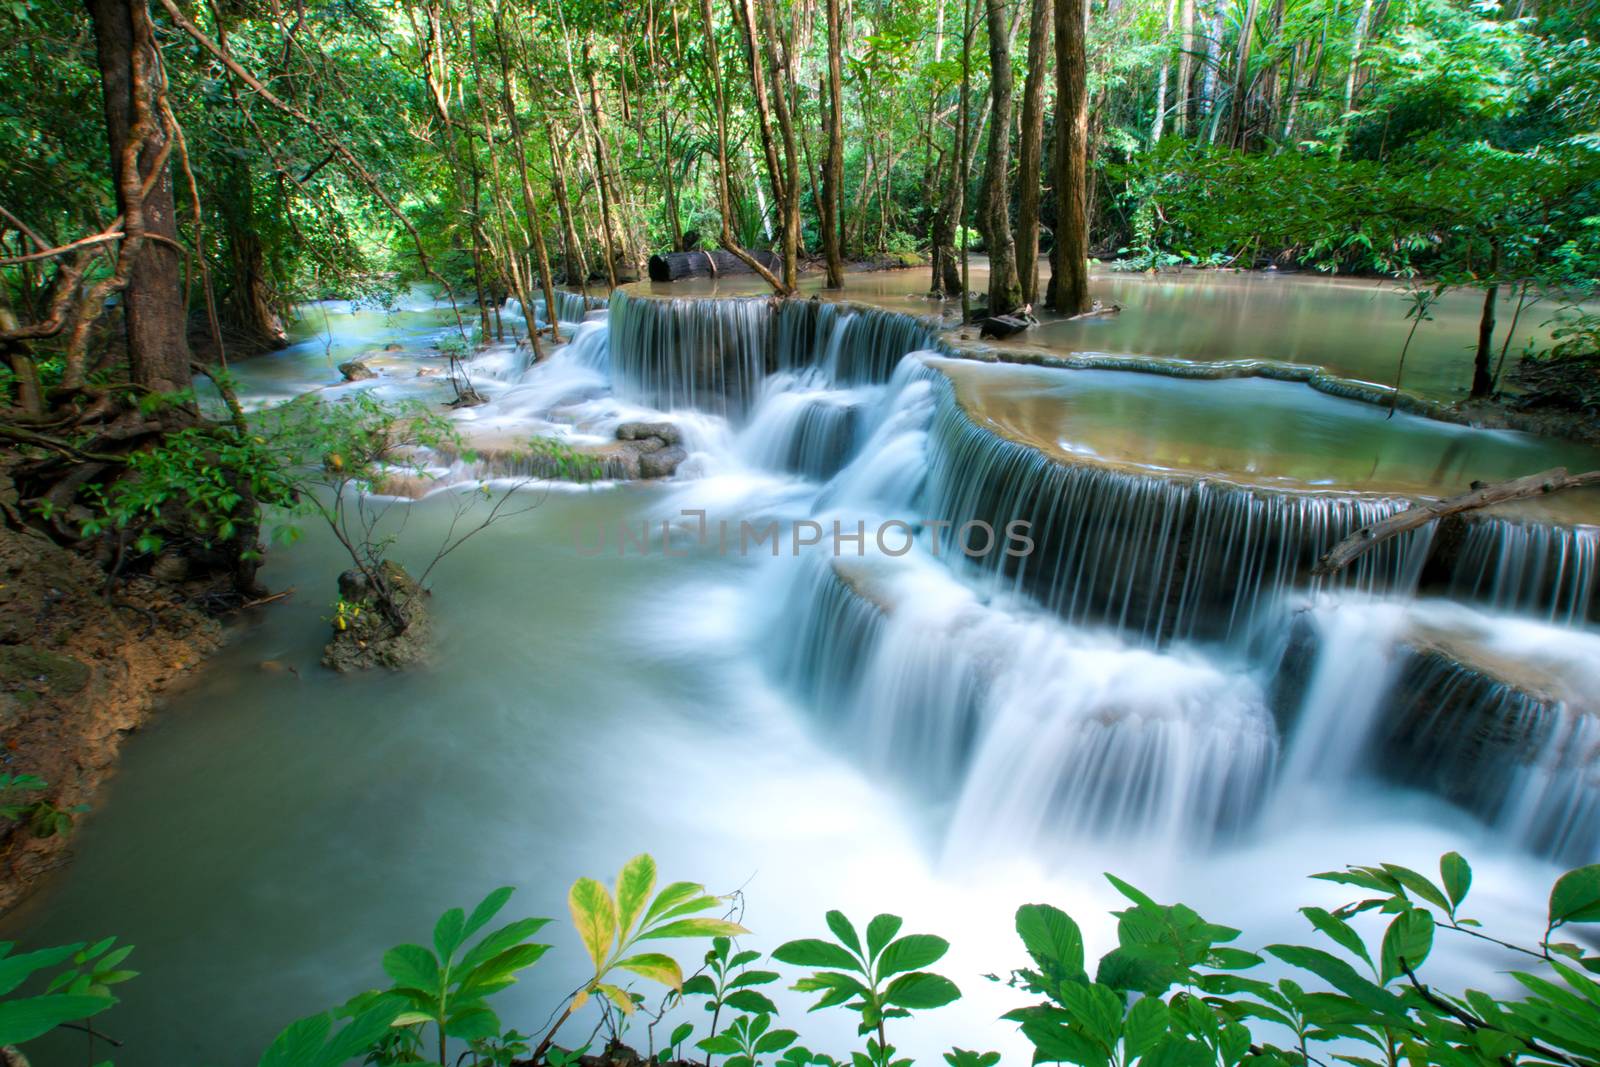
x: 880, y: 978
x: 447, y: 988
x: 79, y: 992
x: 612, y: 926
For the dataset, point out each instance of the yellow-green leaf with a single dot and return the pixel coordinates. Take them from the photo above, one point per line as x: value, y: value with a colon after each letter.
x: 634, y: 885
x: 655, y: 966
x: 580, y: 1000
x: 595, y: 917
x: 695, y: 928
x: 623, y: 1002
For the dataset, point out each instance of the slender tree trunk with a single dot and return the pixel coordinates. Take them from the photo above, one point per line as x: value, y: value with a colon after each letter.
x: 724, y: 193
x: 1030, y: 175
x: 1482, y: 378
x: 577, y: 265
x: 1207, y: 111
x: 1069, y: 279
x: 1238, y: 103
x: 965, y: 157
x: 1186, y: 47
x: 1160, y: 122
x: 1005, y: 293
x: 778, y: 52
x: 1358, y: 39
x: 602, y: 165
x: 153, y: 309
x: 832, y: 206
x: 530, y: 203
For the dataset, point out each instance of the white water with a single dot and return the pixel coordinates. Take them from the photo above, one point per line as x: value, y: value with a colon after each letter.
x: 876, y: 732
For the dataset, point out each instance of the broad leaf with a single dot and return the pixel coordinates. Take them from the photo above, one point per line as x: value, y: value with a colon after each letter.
x: 921, y: 990
x: 815, y: 952
x: 634, y: 885
x: 911, y: 953
x: 1051, y: 938
x: 1575, y: 898
x: 595, y: 917
x: 655, y: 966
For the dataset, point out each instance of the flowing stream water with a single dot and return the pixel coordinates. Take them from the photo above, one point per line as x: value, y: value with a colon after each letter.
x: 872, y: 723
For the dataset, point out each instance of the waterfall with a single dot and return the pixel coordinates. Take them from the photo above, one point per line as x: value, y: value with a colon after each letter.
x: 1534, y: 568
x: 1162, y: 556
x: 1493, y: 713
x: 1033, y: 732
x: 803, y: 429
x: 715, y: 353
x: 1151, y: 669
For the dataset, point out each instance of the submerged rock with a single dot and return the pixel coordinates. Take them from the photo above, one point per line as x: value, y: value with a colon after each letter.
x: 364, y: 636
x: 1000, y: 327
x: 356, y: 371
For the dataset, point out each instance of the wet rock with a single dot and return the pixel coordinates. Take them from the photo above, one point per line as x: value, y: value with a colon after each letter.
x: 364, y: 635
x: 661, y: 464
x: 356, y: 371
x: 392, y: 347
x: 1000, y: 327
x: 635, y: 431
x: 170, y: 567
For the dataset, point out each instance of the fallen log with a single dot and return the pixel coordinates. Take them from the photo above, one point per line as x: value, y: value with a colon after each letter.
x: 1352, y: 547
x: 671, y: 266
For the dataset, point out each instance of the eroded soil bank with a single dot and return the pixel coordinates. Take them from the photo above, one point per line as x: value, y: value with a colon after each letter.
x: 81, y: 666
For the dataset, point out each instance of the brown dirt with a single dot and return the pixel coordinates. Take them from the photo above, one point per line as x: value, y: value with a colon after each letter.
x: 78, y: 672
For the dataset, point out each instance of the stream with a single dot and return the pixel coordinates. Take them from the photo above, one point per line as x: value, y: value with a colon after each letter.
x: 1153, y: 692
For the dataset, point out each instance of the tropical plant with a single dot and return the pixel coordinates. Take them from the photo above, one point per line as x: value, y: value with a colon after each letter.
x: 612, y: 926
x: 73, y: 996
x: 879, y: 979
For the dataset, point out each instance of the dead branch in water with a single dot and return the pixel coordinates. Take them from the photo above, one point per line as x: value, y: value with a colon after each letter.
x: 1479, y: 496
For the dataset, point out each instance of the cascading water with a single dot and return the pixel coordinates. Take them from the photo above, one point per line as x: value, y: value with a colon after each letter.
x: 1536, y: 568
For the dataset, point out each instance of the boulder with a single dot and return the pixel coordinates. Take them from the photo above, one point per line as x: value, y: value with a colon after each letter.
x: 364, y: 637
x: 638, y: 431
x: 355, y: 371
x: 663, y: 463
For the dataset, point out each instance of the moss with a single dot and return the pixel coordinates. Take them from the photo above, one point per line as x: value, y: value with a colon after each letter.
x: 27, y: 667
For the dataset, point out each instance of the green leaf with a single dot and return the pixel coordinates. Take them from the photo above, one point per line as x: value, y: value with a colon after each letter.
x: 680, y: 1034
x: 1456, y: 875
x: 751, y: 1001
x: 1409, y: 939
x: 1339, y: 930
x: 595, y: 917
x: 300, y: 1043
x: 1130, y: 892
x: 911, y: 953
x: 14, y: 970
x: 1418, y: 884
x: 655, y: 966
x: 487, y: 909
x: 1575, y: 898
x: 634, y: 885
x: 844, y: 931
x: 412, y: 967
x: 815, y: 952
x: 1051, y: 938
x: 880, y: 931
x: 412, y: 1018
x: 26, y: 1018
x: 920, y: 989
x: 513, y: 933
x: 448, y: 933
x: 473, y: 1023
x: 775, y: 1040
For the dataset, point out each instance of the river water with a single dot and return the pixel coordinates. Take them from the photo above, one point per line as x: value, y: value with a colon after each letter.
x: 918, y: 733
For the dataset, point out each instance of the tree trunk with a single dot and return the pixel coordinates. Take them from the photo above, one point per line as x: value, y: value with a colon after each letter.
x: 1005, y: 293
x: 158, y: 348
x: 724, y: 193
x: 779, y: 69
x: 1186, y: 45
x: 1160, y: 123
x: 1030, y: 177
x: 1482, y: 379
x: 1069, y: 279
x: 1241, y: 77
x: 832, y: 206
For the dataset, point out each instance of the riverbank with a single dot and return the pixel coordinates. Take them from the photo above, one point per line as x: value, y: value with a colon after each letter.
x: 80, y: 668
